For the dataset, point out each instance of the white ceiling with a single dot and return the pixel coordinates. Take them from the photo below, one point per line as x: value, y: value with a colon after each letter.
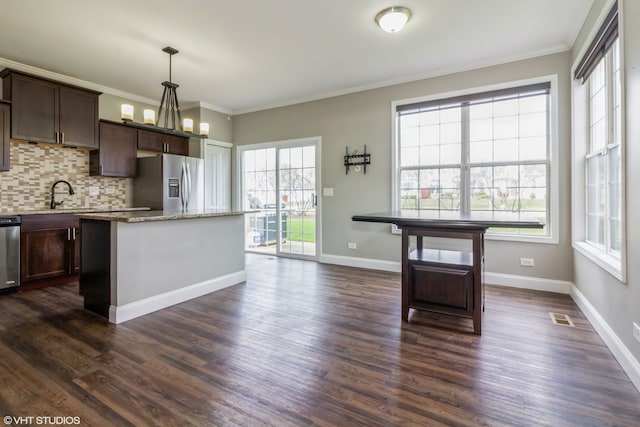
x: 244, y: 55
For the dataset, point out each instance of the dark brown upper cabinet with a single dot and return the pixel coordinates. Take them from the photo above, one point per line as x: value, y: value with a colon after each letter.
x: 4, y: 136
x: 118, y: 151
x: 162, y: 142
x: 47, y: 111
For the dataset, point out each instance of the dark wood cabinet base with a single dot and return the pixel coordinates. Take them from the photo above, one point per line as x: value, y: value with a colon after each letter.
x: 442, y: 281
x: 49, y: 250
x: 447, y: 290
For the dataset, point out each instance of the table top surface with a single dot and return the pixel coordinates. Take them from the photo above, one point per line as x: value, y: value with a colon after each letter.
x: 449, y: 219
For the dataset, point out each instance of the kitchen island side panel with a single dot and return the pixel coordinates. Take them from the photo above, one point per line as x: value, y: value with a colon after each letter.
x: 155, y: 258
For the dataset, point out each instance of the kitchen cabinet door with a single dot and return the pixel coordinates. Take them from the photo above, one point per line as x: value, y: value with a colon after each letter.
x: 118, y: 151
x: 44, y: 254
x: 162, y: 142
x: 5, y: 124
x: 49, y: 247
x: 48, y: 111
x: 35, y: 112
x: 78, y: 117
x: 176, y: 145
x: 152, y: 141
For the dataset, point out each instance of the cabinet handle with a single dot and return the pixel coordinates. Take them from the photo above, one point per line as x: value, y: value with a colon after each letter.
x: 57, y: 137
x: 101, y: 169
x: 68, y: 234
x: 74, y: 233
x: 62, y: 141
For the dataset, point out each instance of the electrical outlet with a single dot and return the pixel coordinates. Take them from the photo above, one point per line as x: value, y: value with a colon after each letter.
x: 352, y: 245
x: 110, y: 190
x: 94, y: 191
x: 527, y: 262
x: 636, y: 331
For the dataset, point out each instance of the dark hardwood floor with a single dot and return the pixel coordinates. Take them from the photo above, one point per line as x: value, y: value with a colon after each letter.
x: 309, y: 344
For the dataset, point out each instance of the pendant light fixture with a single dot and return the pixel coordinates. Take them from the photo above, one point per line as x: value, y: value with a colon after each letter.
x: 393, y: 19
x: 170, y: 106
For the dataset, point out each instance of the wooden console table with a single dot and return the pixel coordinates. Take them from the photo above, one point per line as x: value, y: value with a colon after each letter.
x: 443, y: 281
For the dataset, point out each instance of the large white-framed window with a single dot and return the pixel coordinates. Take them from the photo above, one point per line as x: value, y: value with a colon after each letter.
x: 603, y: 213
x: 598, y: 146
x: 488, y: 150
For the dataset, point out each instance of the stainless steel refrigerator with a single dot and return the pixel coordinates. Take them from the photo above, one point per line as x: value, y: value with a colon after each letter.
x: 169, y: 182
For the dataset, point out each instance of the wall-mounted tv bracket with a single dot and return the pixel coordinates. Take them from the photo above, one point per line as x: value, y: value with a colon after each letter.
x: 355, y: 159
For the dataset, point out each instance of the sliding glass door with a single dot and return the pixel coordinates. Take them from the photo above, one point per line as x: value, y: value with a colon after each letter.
x: 279, y: 182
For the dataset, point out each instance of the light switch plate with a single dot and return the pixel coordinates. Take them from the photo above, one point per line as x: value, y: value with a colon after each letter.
x: 327, y: 191
x: 94, y: 191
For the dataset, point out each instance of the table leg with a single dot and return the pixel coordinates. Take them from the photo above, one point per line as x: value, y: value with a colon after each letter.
x: 405, y: 275
x: 477, y: 283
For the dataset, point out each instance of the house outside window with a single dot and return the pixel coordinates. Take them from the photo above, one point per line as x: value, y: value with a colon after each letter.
x: 482, y: 153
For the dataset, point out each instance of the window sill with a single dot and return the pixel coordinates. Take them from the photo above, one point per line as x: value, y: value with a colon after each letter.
x: 548, y: 240
x: 608, y: 263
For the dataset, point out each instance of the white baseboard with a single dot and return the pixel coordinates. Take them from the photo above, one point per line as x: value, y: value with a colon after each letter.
x: 119, y: 314
x: 525, y: 282
x: 372, y: 264
x: 622, y: 354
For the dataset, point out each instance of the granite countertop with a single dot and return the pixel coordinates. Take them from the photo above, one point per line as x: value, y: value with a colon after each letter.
x: 73, y: 211
x: 150, y: 216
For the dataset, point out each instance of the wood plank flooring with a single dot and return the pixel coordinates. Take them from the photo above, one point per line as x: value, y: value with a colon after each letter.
x: 309, y: 344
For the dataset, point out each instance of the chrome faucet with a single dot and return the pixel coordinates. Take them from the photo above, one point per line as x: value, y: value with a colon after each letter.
x: 53, y: 203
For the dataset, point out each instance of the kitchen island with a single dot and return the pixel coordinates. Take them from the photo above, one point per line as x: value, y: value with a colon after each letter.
x: 134, y: 263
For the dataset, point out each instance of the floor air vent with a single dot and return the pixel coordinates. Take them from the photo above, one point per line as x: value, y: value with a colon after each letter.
x: 561, y: 319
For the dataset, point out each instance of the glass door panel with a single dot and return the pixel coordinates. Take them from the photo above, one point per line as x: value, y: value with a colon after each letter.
x: 297, y: 190
x: 259, y: 167
x: 281, y: 184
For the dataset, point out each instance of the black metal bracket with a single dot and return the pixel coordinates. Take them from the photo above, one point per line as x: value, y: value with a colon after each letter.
x: 355, y: 159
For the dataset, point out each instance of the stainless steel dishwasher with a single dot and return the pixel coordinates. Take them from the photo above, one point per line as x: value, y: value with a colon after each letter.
x: 10, y: 256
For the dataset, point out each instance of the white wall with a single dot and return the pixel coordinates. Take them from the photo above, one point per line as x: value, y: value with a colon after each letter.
x: 365, y: 118
x: 617, y: 304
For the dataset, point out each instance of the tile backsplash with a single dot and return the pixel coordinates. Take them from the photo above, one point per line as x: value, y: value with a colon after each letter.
x: 34, y: 168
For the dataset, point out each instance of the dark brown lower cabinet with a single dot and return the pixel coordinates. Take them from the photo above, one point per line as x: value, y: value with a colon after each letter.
x: 49, y: 250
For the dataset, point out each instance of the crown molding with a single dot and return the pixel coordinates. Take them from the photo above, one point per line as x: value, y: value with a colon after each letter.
x: 8, y: 63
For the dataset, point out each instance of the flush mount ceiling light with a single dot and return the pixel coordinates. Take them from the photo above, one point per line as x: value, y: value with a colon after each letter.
x: 392, y: 19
